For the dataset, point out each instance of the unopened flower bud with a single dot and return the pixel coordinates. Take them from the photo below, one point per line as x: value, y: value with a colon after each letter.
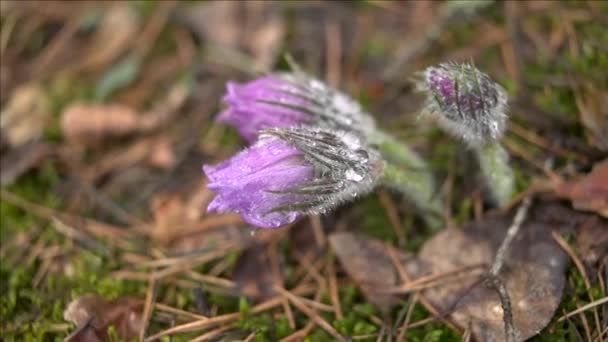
x: 470, y: 105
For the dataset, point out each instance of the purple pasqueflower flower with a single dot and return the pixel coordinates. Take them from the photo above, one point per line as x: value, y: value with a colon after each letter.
x: 291, y: 172
x: 287, y: 100
x: 470, y: 105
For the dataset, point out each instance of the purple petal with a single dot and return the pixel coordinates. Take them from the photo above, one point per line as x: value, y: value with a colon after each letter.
x: 442, y: 84
x: 244, y: 183
x: 249, y: 115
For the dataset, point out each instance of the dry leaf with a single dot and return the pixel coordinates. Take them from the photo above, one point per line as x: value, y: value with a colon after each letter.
x: 90, y: 123
x: 216, y: 21
x: 590, y: 193
x: 162, y: 155
x: 115, y: 35
x: 26, y: 115
x: 19, y: 160
x: 169, y: 213
x: 254, y: 26
x: 180, y: 222
x: 93, y: 315
x: 367, y: 262
x: 534, y: 272
x: 592, y: 111
x: 592, y: 241
x: 264, y: 33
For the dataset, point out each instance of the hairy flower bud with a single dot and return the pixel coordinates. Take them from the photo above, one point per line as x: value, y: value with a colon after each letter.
x: 291, y: 99
x: 290, y: 172
x: 470, y: 104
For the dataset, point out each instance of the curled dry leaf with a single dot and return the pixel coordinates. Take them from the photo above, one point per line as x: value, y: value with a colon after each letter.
x: 26, y: 115
x: 368, y: 263
x: 93, y: 315
x: 590, y: 193
x: 89, y: 123
x: 534, y: 271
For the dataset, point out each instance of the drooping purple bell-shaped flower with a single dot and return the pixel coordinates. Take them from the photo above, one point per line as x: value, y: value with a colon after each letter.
x: 289, y: 100
x: 292, y: 172
x: 470, y: 105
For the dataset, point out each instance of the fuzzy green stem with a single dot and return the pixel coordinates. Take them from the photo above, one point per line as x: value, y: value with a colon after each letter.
x: 494, y: 162
x: 407, y: 173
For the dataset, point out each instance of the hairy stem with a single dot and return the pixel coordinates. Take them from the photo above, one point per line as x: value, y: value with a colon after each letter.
x: 407, y: 173
x: 494, y: 162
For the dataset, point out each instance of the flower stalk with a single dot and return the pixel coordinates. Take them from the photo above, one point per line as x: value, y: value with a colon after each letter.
x: 494, y: 163
x: 410, y: 175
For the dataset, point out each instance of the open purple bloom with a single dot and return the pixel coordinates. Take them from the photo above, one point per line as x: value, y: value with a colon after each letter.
x: 248, y: 183
x: 288, y: 100
x: 470, y: 104
x: 254, y: 106
x: 291, y: 172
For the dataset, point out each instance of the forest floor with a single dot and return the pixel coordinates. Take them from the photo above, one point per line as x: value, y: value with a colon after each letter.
x: 104, y: 234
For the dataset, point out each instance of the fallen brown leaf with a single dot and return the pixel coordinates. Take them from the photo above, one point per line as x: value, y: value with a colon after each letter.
x: 26, y: 115
x: 368, y: 263
x: 534, y: 271
x: 589, y: 193
x: 592, y: 112
x: 592, y: 241
x: 93, y: 315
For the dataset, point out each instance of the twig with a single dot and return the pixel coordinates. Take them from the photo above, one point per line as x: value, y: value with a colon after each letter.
x: 300, y: 334
x: 584, y: 308
x: 466, y: 336
x: 408, y: 317
x: 332, y: 282
x: 393, y: 216
x: 581, y: 269
x: 148, y: 308
x: 511, y: 334
x: 204, y: 323
x: 499, y: 260
x: 318, y: 231
x: 211, y: 334
x: 310, y: 313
